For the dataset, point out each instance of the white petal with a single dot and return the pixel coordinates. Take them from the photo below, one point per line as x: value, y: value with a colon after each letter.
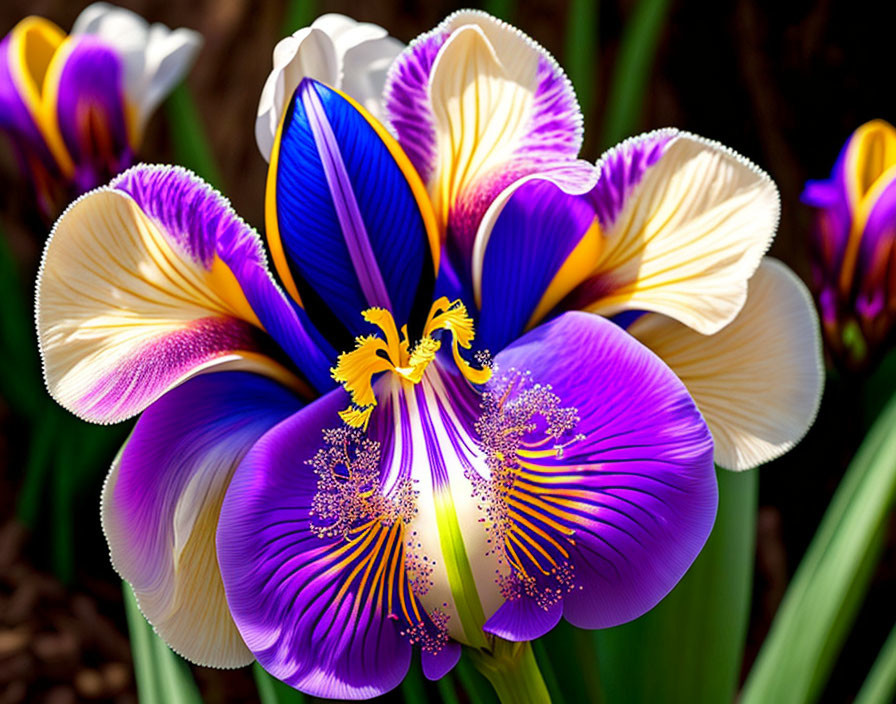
x: 364, y: 71
x: 758, y: 381
x: 350, y: 56
x: 155, y: 57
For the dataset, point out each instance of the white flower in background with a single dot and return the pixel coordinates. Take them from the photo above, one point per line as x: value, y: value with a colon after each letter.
x: 351, y: 56
x: 155, y: 57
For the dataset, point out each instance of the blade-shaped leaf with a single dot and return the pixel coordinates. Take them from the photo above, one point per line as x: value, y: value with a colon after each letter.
x: 581, y: 52
x: 162, y: 676
x: 689, y: 648
x: 880, y: 685
x: 824, y: 596
x: 188, y: 135
x: 633, y: 65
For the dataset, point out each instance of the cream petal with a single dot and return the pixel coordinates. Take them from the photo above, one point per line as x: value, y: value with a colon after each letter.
x: 136, y: 294
x: 482, y: 98
x: 758, y: 381
x: 309, y: 52
x: 162, y: 501
x: 687, y: 238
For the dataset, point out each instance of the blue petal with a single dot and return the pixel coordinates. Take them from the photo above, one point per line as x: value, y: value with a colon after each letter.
x: 537, y: 232
x: 347, y: 209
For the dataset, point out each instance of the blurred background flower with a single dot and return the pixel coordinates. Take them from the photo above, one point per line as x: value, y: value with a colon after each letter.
x: 852, y: 247
x: 74, y: 107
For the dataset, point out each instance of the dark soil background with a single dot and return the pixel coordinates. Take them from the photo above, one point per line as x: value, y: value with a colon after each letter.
x: 784, y: 83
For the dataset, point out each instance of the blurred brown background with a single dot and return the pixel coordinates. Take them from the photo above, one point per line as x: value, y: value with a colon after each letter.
x: 784, y: 83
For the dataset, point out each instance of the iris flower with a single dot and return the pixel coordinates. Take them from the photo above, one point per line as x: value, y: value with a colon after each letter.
x: 75, y: 107
x: 432, y: 436
x: 852, y: 246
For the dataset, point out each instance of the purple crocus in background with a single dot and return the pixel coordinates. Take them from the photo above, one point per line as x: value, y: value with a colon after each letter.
x: 852, y: 247
x: 74, y: 107
x: 433, y: 435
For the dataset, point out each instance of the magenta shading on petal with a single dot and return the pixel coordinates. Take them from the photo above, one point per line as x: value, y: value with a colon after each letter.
x: 134, y: 384
x: 202, y: 225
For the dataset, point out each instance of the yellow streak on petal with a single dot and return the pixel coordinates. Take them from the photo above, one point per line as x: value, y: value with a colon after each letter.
x: 38, y: 51
x: 481, y: 103
x: 690, y: 236
x: 758, y: 381
x: 577, y: 267
x: 272, y: 222
x: 870, y: 168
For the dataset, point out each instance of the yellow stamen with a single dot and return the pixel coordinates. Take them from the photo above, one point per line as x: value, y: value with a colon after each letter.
x: 372, y: 355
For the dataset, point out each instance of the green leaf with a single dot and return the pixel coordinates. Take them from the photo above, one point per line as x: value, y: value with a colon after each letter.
x: 476, y: 686
x: 573, y: 658
x: 412, y: 685
x: 502, y: 9
x: 299, y: 13
x: 830, y: 583
x: 581, y: 51
x: 446, y: 690
x: 42, y: 447
x: 20, y: 380
x: 689, y: 648
x: 273, y: 691
x: 188, y: 136
x: 880, y: 685
x: 633, y: 66
x: 162, y: 676
x: 547, y: 671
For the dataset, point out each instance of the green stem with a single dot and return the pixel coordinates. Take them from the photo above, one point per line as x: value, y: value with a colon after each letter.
x: 513, y: 672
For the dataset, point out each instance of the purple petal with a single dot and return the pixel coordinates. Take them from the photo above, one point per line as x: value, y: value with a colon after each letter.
x: 305, y: 603
x: 200, y: 222
x: 407, y: 100
x: 162, y: 499
x: 17, y: 122
x: 437, y: 665
x: 876, y: 291
x: 524, y: 264
x: 523, y: 619
x: 91, y: 112
x: 610, y: 518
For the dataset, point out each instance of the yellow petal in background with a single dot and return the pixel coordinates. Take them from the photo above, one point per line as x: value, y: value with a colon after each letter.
x: 758, y: 381
x: 689, y: 237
